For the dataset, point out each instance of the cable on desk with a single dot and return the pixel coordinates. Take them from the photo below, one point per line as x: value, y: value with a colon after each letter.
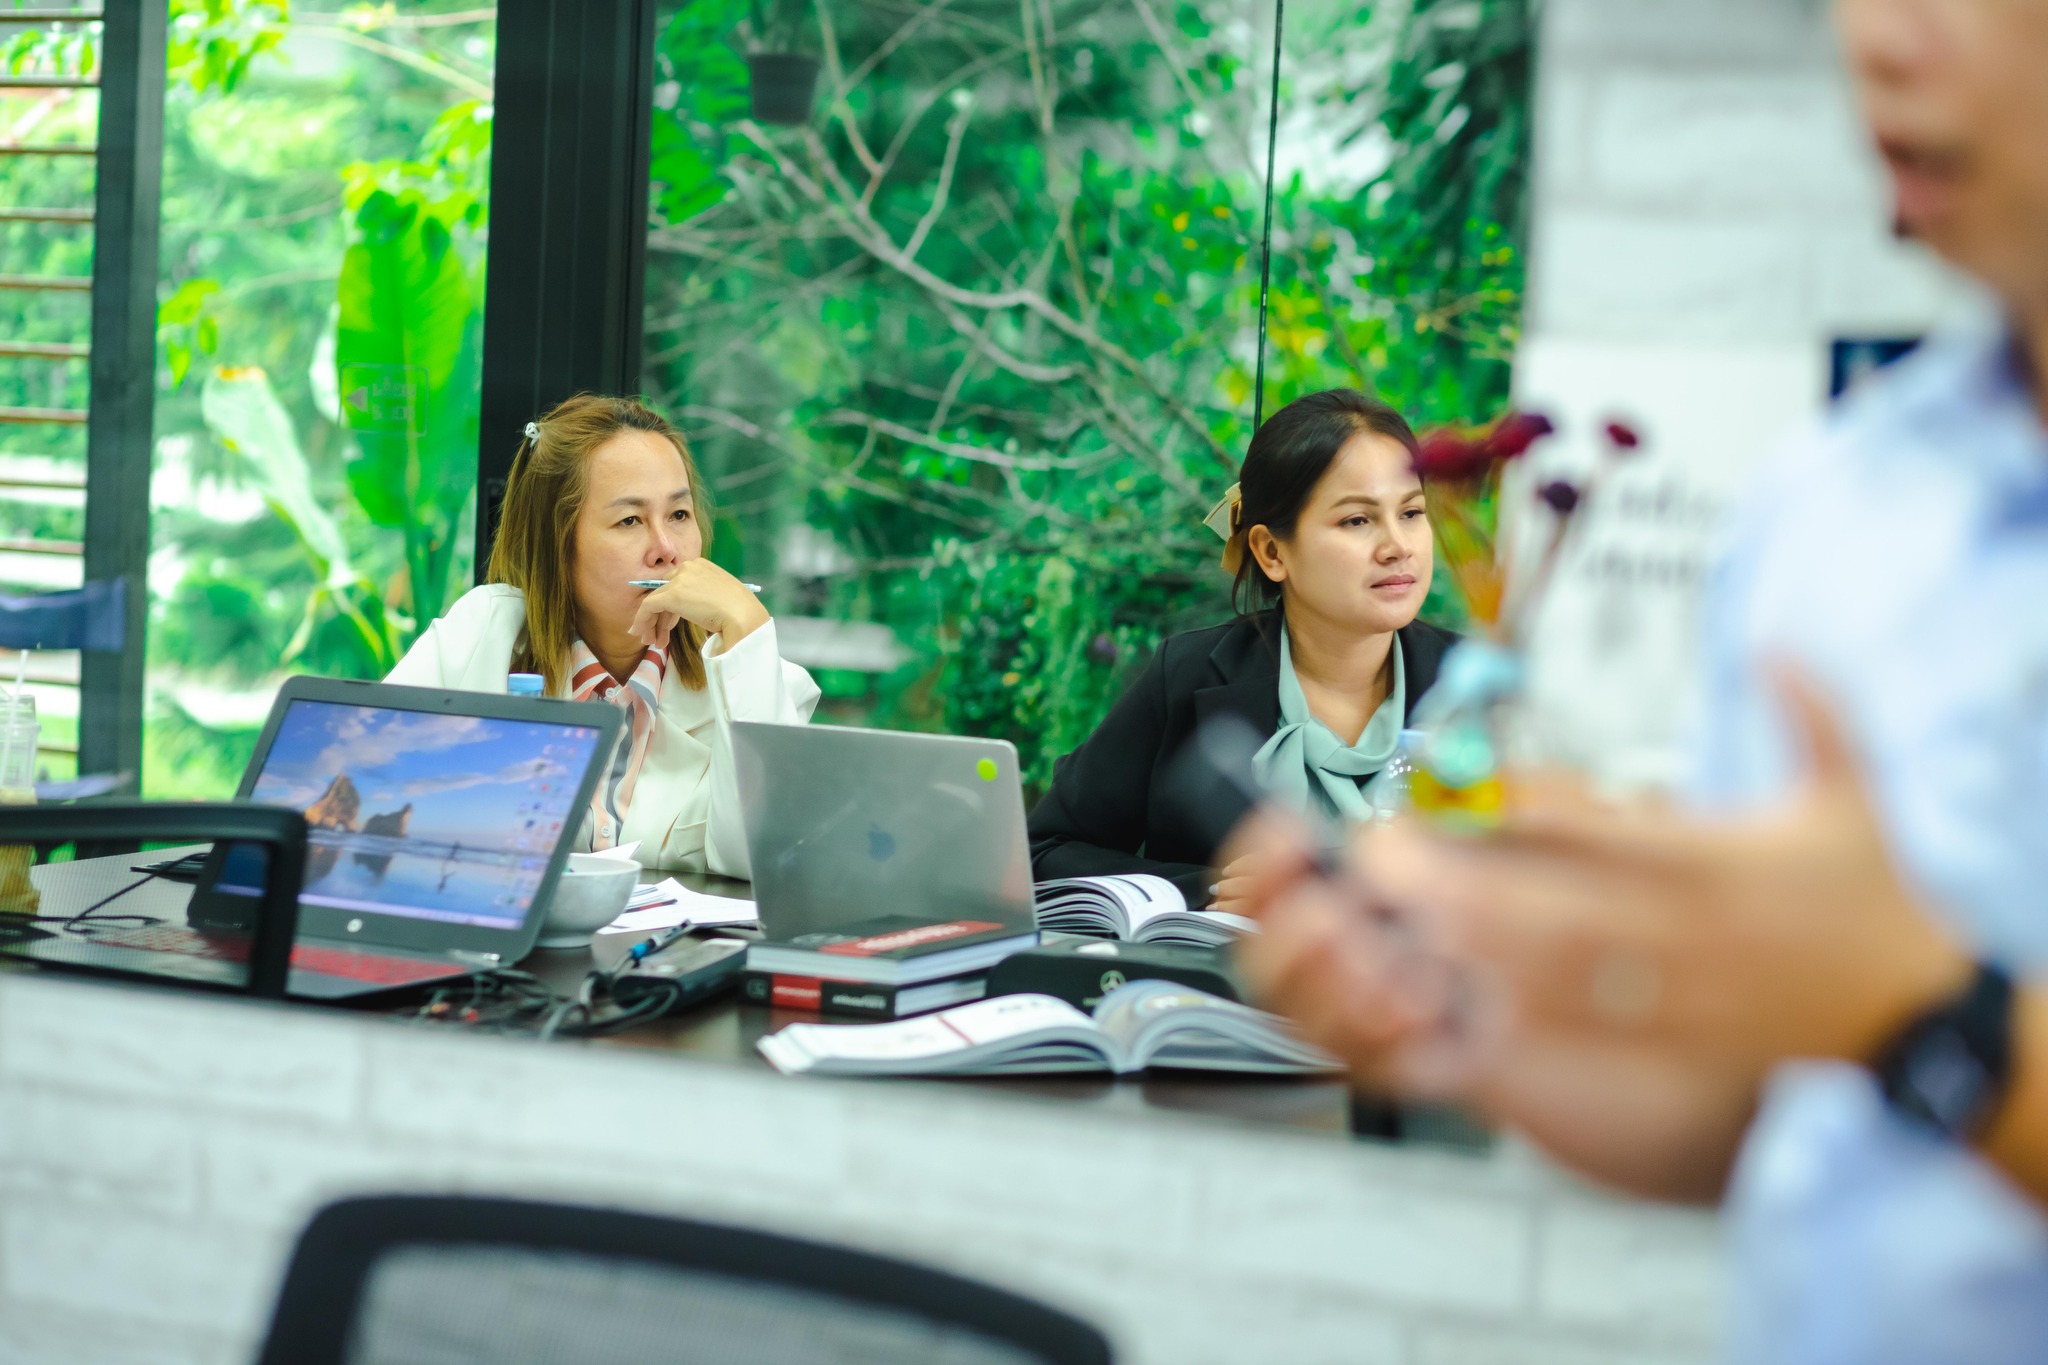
x: 504, y: 1000
x: 512, y: 1001
x: 75, y: 924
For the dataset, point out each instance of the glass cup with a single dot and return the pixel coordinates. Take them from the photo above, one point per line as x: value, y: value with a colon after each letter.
x: 19, y: 733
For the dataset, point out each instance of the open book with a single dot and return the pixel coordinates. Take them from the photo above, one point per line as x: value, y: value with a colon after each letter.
x: 1145, y: 1023
x: 1139, y: 907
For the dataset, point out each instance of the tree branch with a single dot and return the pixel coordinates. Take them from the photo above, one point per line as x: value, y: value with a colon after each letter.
x: 468, y: 85
x: 875, y: 240
x: 924, y: 102
x: 754, y: 431
x: 956, y: 129
x: 847, y: 417
x: 837, y: 105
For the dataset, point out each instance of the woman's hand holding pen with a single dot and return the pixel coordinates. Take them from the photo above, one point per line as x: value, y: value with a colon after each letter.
x: 706, y: 596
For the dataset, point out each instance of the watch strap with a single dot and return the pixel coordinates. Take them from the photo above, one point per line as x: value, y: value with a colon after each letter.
x: 1949, y: 1069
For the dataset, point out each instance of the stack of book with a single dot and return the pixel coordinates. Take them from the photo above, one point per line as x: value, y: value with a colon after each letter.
x: 882, y: 968
x: 1138, y: 907
x: 1137, y: 1026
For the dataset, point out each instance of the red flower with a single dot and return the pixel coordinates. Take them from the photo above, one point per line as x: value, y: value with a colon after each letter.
x: 1447, y: 455
x: 1516, y: 432
x: 1622, y: 436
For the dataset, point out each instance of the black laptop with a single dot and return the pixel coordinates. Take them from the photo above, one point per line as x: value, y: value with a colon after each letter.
x: 437, y: 824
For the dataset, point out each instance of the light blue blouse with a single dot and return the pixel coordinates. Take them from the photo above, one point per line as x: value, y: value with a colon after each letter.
x: 1306, y: 767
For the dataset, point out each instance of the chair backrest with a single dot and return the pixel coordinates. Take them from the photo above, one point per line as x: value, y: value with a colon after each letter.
x: 113, y: 825
x: 454, y: 1280
x: 92, y: 617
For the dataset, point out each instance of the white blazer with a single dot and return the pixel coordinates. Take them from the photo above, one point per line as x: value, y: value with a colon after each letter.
x: 686, y: 803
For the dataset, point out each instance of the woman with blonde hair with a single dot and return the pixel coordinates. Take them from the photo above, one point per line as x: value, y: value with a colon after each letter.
x: 603, y: 494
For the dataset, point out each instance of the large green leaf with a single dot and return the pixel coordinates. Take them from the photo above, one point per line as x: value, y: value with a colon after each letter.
x: 344, y: 610
x: 407, y: 344
x: 242, y: 410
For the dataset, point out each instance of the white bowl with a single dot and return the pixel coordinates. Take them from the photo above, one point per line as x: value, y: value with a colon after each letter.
x: 590, y: 893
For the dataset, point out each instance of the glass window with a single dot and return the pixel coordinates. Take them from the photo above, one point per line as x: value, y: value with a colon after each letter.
x: 325, y: 214
x: 959, y: 304
x: 49, y: 124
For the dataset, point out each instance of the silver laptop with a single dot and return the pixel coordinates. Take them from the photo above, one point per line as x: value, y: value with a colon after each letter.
x: 844, y: 825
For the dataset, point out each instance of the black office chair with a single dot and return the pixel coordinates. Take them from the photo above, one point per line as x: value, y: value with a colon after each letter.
x: 425, y: 1280
x: 102, y: 895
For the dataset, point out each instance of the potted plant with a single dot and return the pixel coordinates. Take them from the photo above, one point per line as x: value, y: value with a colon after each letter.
x: 782, y: 83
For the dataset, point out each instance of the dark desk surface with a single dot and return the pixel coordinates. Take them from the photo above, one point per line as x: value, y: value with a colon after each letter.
x: 726, y: 1031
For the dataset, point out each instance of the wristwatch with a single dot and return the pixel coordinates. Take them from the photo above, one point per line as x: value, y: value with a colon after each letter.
x: 1949, y: 1069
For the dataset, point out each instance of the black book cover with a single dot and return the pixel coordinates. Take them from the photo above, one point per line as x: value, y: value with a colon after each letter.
x: 897, y: 938
x: 863, y: 999
x: 1081, y: 973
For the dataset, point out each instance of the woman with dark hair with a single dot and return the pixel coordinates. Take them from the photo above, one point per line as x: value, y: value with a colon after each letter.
x: 1329, y: 542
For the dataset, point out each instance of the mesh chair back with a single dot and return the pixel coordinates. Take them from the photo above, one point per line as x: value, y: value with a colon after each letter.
x: 448, y: 1281
x: 67, y: 904
x: 451, y: 1305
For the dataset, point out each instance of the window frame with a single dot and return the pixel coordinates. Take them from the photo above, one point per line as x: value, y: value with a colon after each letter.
x: 564, y: 278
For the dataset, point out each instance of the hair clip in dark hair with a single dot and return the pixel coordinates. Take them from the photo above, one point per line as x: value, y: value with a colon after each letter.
x: 1223, y: 519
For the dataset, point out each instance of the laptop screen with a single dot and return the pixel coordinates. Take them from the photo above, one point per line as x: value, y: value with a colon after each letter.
x: 418, y: 814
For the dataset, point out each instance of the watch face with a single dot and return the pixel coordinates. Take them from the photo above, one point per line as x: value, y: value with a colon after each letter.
x: 1945, y: 1078
x: 1949, y: 1068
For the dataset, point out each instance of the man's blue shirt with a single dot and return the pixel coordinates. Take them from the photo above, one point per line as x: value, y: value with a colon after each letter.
x: 1899, y: 556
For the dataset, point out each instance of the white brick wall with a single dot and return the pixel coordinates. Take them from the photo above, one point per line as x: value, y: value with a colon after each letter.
x: 158, y: 1151
x: 1706, y: 218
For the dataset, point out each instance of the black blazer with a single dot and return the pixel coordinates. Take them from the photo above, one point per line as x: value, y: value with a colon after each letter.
x: 1104, y: 813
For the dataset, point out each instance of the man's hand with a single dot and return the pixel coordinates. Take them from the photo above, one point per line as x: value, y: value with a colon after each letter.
x: 1355, y: 973
x: 1777, y: 935
x: 1613, y: 980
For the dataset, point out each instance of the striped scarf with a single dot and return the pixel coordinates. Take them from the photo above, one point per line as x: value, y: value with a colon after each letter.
x: 639, y: 697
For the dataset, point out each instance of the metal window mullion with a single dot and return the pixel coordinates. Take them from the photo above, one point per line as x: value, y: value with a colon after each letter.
x: 125, y: 210
x: 563, y: 281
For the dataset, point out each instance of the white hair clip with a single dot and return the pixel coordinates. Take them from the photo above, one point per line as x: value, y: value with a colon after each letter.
x: 533, y: 432
x: 1223, y: 519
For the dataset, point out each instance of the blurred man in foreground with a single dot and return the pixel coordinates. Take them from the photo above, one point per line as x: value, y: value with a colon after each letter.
x: 1898, y: 557
x: 1600, y: 941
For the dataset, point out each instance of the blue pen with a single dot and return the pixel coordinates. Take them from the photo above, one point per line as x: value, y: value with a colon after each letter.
x: 663, y: 582
x: 648, y: 947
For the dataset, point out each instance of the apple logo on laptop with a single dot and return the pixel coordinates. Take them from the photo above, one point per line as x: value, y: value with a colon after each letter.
x: 881, y: 844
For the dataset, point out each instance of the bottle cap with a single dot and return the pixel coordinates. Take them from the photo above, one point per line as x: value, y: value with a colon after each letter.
x: 526, y: 685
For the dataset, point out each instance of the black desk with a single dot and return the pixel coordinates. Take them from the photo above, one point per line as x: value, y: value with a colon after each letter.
x: 725, y: 1032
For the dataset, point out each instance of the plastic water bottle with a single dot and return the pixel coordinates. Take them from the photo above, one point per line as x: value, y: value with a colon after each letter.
x: 526, y: 685
x: 19, y: 734
x: 1389, y: 791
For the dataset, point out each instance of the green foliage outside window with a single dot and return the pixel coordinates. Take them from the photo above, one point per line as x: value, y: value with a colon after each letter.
x: 326, y: 172
x: 970, y: 352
